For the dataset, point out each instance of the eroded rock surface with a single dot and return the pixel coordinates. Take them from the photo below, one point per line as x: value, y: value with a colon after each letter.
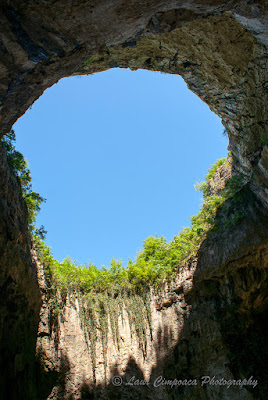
x: 219, y: 49
x: 209, y: 321
x: 212, y: 320
x: 20, y: 295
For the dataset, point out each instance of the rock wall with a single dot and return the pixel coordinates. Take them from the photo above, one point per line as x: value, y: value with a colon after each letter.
x: 219, y: 48
x: 211, y: 320
x: 20, y: 294
x: 217, y: 183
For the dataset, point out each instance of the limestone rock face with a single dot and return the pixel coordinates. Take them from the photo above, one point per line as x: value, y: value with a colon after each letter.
x: 20, y: 295
x: 211, y: 320
x: 219, y: 48
x: 207, y: 323
x: 217, y: 183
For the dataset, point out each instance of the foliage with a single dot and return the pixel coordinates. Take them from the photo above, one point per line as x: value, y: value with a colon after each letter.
x: 97, y: 310
x: 88, y: 62
x: 48, y: 262
x: 157, y: 261
x: 212, y: 170
x: 20, y: 168
x: 102, y: 295
x: 234, y: 184
x: 105, y: 294
x: 204, y: 186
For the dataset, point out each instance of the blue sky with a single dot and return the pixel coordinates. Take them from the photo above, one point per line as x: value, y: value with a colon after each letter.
x: 116, y: 155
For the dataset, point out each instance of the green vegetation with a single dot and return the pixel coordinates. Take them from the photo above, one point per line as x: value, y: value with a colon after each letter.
x: 20, y: 168
x: 157, y: 261
x: 105, y: 294
x: 204, y: 186
x: 88, y: 62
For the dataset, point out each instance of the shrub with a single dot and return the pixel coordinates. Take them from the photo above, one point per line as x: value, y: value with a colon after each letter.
x: 102, y: 293
x: 204, y: 186
x: 157, y: 261
x: 20, y: 169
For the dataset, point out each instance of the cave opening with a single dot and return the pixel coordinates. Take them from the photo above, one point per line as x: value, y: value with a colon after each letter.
x: 116, y: 156
x: 220, y: 52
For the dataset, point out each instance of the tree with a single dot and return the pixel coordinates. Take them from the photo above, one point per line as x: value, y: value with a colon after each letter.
x: 20, y: 169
